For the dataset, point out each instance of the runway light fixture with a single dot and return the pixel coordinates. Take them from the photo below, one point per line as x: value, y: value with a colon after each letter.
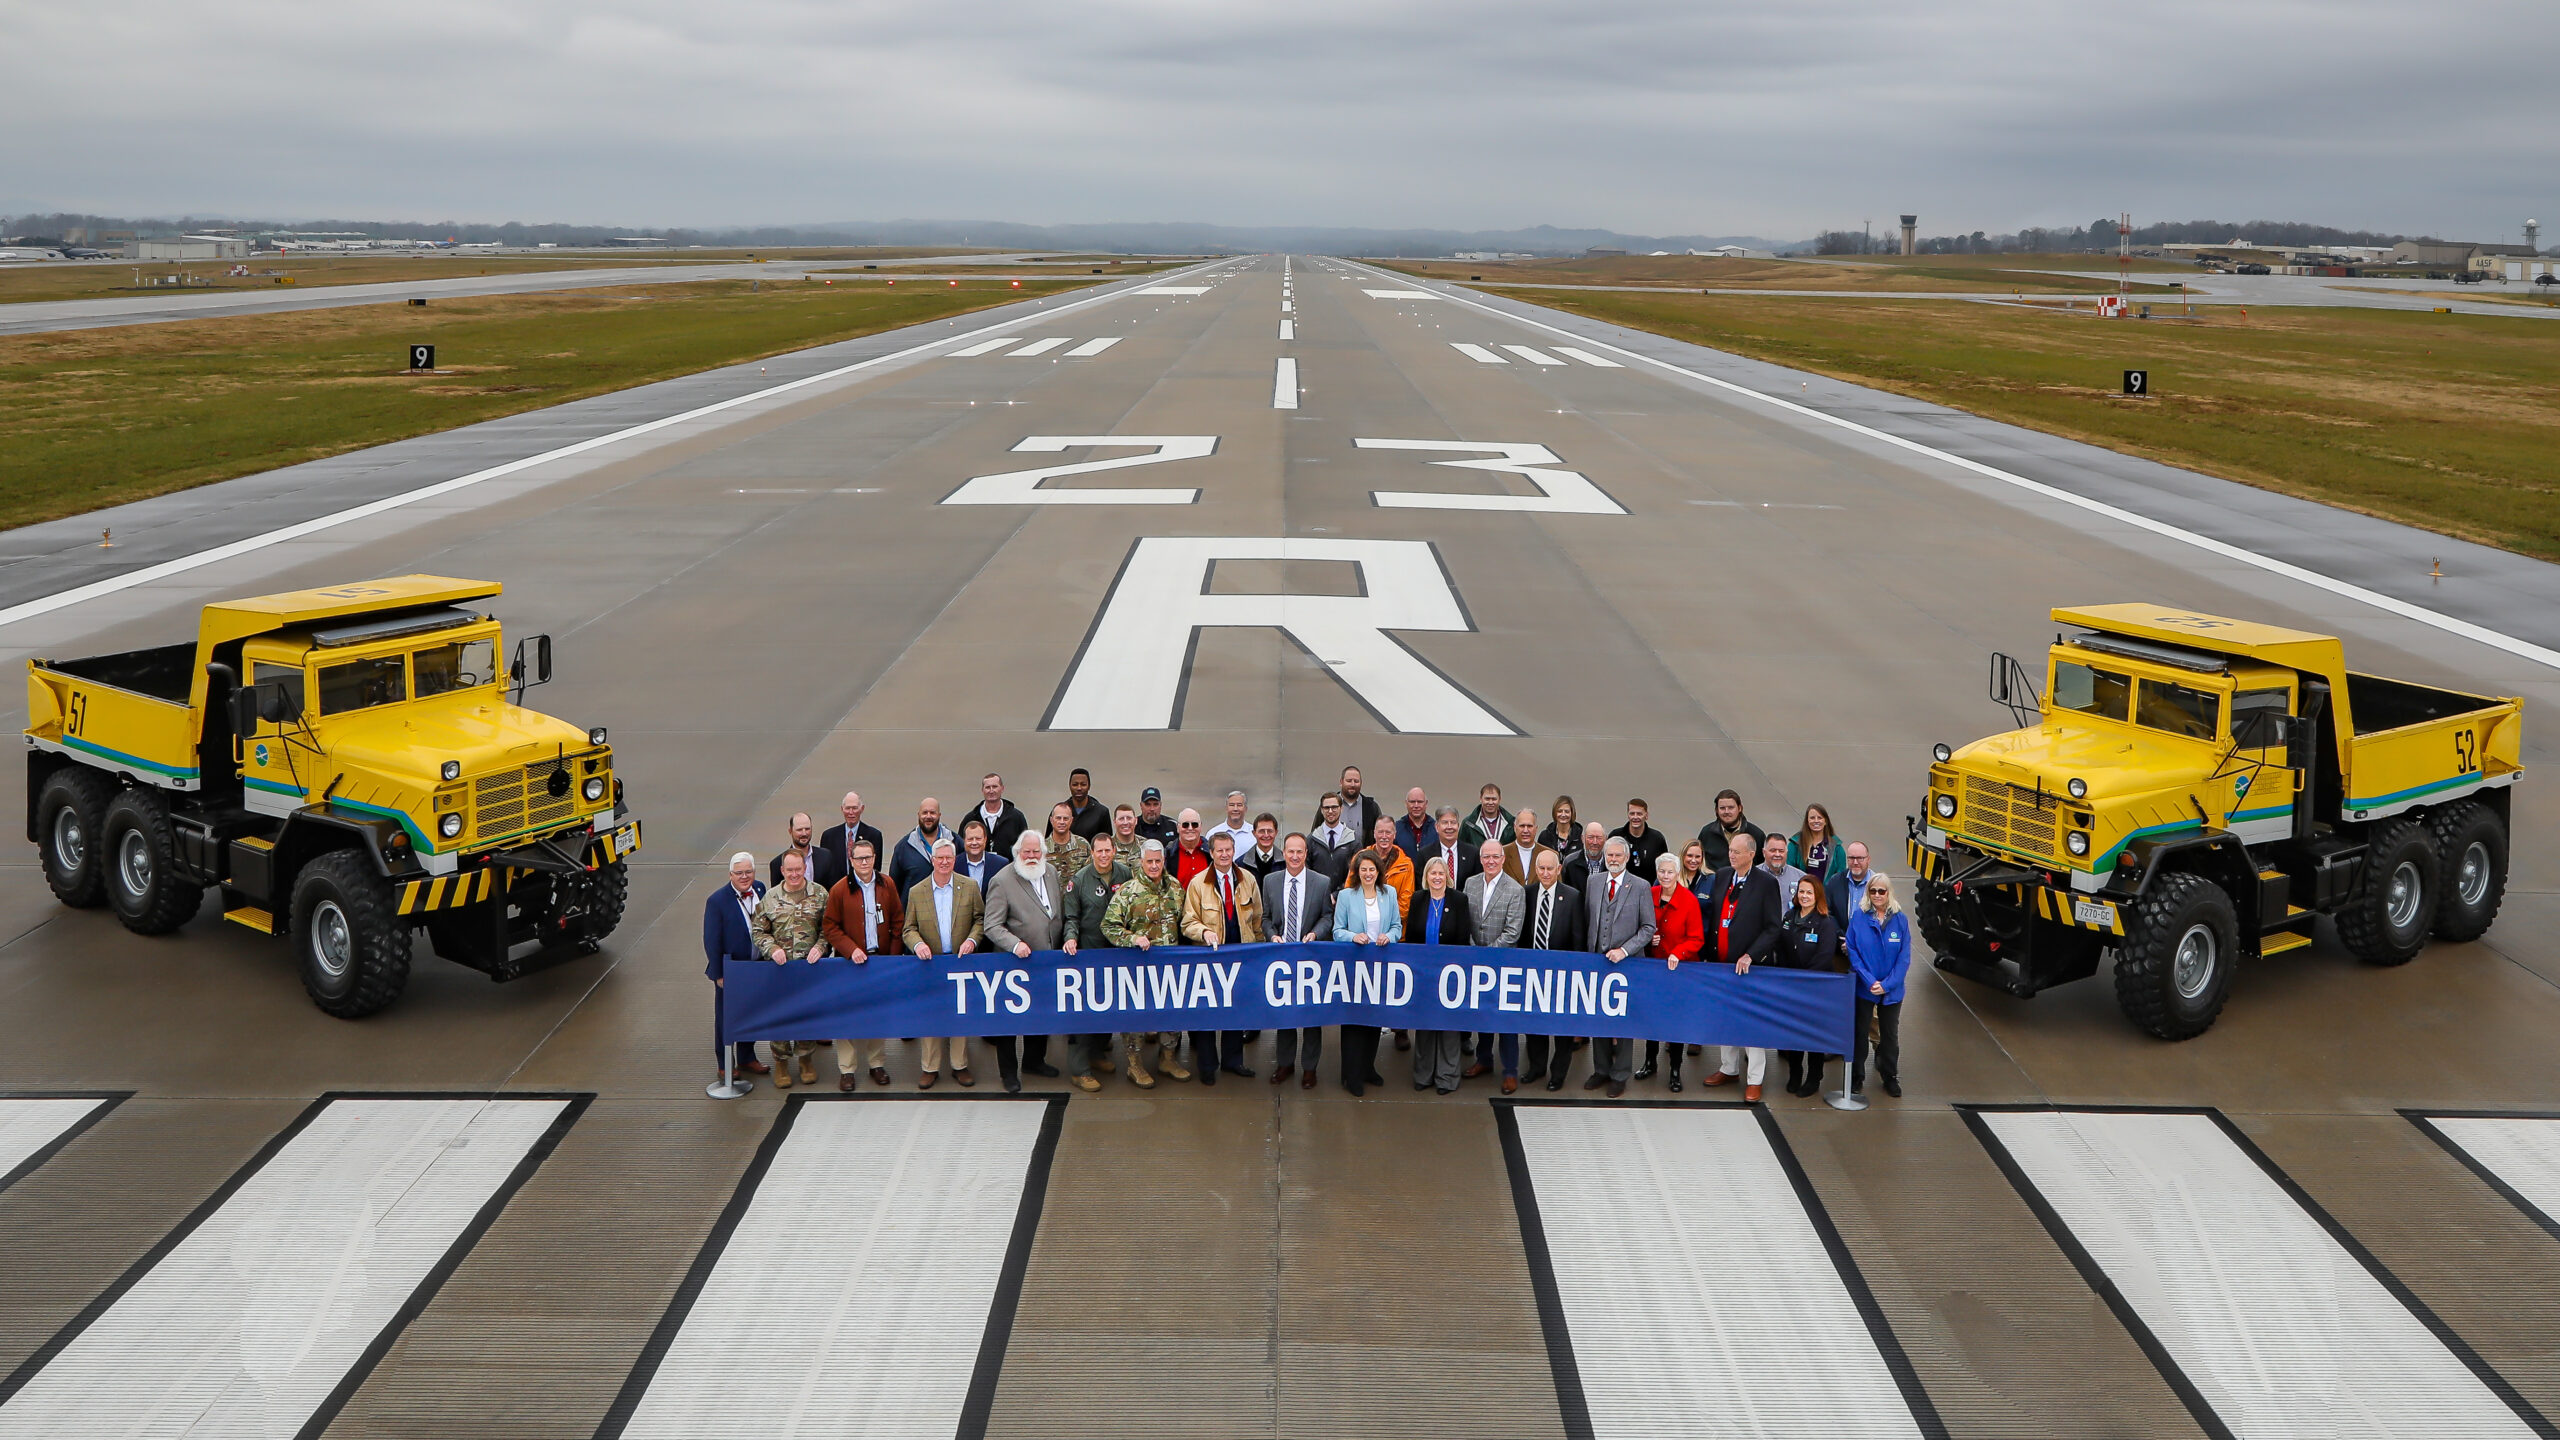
x: 2078, y: 787
x: 2078, y: 843
x: 1942, y: 752
x: 1945, y: 805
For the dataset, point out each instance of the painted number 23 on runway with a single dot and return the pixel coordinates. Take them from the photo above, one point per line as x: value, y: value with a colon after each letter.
x: 1559, y: 491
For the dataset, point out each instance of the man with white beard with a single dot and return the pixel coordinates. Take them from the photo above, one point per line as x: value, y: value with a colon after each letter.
x: 1027, y: 911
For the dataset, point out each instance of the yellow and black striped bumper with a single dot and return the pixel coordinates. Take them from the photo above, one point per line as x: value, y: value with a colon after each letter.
x: 2062, y: 907
x: 450, y: 892
x: 1926, y: 863
x: 619, y: 843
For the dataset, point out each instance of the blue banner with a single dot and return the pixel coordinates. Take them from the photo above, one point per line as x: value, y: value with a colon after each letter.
x: 1281, y: 987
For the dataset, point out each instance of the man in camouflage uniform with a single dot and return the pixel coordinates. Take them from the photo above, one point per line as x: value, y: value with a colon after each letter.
x: 1089, y: 892
x: 790, y: 921
x: 1147, y: 912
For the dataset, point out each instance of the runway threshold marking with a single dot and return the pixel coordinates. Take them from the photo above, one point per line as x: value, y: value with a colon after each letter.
x: 983, y: 346
x: 1040, y: 347
x: 2517, y: 1155
x: 1532, y: 355
x: 1477, y: 353
x: 262, y: 1312
x: 1587, y: 358
x: 1284, y: 384
x: 862, y: 1280
x: 1091, y: 348
x: 2451, y: 625
x: 2261, y: 1312
x: 247, y: 545
x: 1682, y: 1294
x: 35, y: 1127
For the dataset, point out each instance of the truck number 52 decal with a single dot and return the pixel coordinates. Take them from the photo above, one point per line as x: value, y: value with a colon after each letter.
x: 2466, y: 752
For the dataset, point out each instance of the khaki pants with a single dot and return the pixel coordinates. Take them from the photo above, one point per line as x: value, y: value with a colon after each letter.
x: 877, y: 1050
x: 933, y: 1047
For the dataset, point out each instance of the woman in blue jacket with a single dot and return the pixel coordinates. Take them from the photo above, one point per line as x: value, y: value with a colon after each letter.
x: 1879, y: 940
x: 1364, y: 914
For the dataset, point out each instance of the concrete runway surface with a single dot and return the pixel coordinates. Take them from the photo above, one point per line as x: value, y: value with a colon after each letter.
x: 508, y: 1210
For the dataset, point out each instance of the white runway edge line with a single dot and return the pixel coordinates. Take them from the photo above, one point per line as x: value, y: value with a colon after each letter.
x: 34, y: 1127
x: 2518, y: 1155
x: 261, y: 1313
x: 893, y: 1232
x: 2265, y: 1316
x: 1682, y: 1294
x: 2452, y: 625
x: 1284, y: 384
x: 98, y: 589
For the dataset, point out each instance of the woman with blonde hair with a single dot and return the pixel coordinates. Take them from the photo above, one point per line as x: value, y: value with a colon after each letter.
x: 1879, y: 944
x: 1563, y: 834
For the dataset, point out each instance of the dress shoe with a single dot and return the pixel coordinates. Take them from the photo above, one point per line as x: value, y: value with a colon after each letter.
x: 1674, y: 1087
x: 1474, y: 1070
x: 1244, y: 1070
x: 1617, y: 1089
x: 1044, y: 1070
x: 782, y: 1078
x: 1693, y: 1049
x: 1354, y: 1087
x: 1556, y: 1084
x: 845, y: 1083
x: 1595, y: 1082
x: 1087, y: 1083
x: 1751, y: 1094
x: 1510, y: 1083
x: 963, y: 1076
x: 1281, y: 1073
x: 1644, y: 1072
x: 1209, y: 1076
x: 808, y: 1072
x: 754, y: 1067
x: 880, y: 1076
x: 1404, y: 1040
x: 1012, y: 1084
x: 1421, y: 1085
x: 1451, y: 1090
x: 1376, y: 1079
x: 1307, y: 1080
x: 1893, y: 1086
x: 928, y: 1079
x: 1718, y: 1078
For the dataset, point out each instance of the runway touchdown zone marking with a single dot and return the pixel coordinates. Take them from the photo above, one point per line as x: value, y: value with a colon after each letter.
x: 267, y: 1307
x: 34, y: 1128
x: 1680, y: 1292
x: 893, y: 1234
x: 1084, y: 351
x: 2516, y: 1155
x: 1483, y: 356
x: 2260, y: 1311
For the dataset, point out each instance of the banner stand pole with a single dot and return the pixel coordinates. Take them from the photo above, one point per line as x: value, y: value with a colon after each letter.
x: 1847, y: 1099
x: 728, y: 1086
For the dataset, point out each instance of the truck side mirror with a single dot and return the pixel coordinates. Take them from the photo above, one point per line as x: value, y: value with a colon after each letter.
x: 243, y: 703
x: 278, y: 704
x: 533, y: 662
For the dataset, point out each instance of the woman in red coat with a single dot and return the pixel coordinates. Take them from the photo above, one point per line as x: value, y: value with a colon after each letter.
x: 1679, y: 933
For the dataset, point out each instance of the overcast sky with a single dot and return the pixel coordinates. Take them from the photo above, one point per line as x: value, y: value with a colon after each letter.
x: 1778, y: 118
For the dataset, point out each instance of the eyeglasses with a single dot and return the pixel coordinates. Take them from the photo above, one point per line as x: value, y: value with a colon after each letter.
x: 1190, y: 824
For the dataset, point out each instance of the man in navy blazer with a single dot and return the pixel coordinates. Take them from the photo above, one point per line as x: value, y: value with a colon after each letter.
x: 837, y: 840
x: 725, y: 937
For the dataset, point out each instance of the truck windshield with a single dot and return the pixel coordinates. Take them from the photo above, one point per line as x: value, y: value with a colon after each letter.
x: 458, y: 666
x: 2180, y: 710
x: 2088, y: 690
x: 357, y: 684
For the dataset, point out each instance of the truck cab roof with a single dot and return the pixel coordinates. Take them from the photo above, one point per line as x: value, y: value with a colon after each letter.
x: 2189, y: 631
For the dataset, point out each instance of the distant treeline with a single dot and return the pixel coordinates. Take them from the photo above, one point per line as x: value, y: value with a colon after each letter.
x: 2101, y: 235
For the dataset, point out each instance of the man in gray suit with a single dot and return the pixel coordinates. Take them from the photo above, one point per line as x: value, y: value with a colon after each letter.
x: 1027, y: 911
x: 1497, y: 904
x: 1621, y: 909
x: 1297, y: 905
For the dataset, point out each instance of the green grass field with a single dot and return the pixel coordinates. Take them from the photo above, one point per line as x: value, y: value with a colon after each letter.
x: 90, y: 418
x: 89, y: 282
x: 2447, y: 422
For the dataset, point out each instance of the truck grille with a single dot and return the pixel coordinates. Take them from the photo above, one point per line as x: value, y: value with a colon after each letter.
x: 2008, y: 816
x: 515, y: 800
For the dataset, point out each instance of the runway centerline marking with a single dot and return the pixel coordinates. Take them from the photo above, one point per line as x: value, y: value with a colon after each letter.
x: 1288, y: 329
x: 1560, y: 492
x: 1284, y: 384
x: 263, y: 1311
x: 2262, y: 1313
x: 1022, y: 487
x: 2451, y: 625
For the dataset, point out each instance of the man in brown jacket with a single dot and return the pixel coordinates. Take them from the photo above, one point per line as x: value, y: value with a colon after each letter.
x: 1221, y: 906
x: 864, y: 918
x: 945, y: 916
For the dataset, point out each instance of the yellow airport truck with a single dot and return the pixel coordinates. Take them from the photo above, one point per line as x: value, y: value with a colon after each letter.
x: 347, y: 765
x: 2189, y: 792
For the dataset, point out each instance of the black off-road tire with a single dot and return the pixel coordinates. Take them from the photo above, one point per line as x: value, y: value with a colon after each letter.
x: 139, y: 861
x: 348, y: 937
x: 1932, y: 914
x: 2400, y: 859
x: 2164, y: 983
x: 584, y: 909
x: 71, y: 813
x: 2472, y: 842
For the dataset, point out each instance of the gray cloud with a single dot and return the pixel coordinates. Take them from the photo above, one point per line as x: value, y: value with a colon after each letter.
x: 1645, y: 116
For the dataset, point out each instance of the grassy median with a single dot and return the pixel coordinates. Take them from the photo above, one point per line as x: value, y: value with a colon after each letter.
x: 2447, y: 422
x: 268, y: 273
x: 90, y: 418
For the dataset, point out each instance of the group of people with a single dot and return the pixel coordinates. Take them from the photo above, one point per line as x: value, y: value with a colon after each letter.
x: 1095, y: 876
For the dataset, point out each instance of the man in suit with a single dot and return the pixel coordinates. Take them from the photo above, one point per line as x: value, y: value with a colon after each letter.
x: 728, y: 920
x: 1552, y: 920
x: 1297, y: 904
x: 1027, y: 911
x: 1621, y: 909
x: 1093, y: 818
x: 1497, y: 905
x: 821, y: 869
x: 1743, y: 915
x: 1358, y: 811
x: 1848, y: 890
x: 979, y: 858
x: 1334, y: 841
x: 864, y: 918
x: 1489, y: 822
x: 911, y: 859
x: 1221, y: 906
x: 945, y: 916
x: 1590, y: 860
x: 1002, y: 817
x: 1443, y: 846
x: 1264, y: 855
x: 838, y: 840
x: 1520, y: 857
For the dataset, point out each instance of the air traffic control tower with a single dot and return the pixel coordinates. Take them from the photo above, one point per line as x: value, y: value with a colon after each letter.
x: 1910, y: 234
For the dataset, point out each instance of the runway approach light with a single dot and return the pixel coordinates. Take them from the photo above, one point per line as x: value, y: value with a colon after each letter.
x: 955, y: 284
x: 1016, y: 284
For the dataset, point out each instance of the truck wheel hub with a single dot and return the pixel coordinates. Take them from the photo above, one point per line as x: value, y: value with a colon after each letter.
x: 133, y: 863
x: 2472, y: 882
x: 70, y: 844
x: 332, y: 942
x: 2400, y: 900
x: 2193, y: 969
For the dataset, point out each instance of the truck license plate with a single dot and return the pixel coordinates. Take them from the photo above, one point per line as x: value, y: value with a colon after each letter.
x: 2090, y: 912
x: 626, y: 837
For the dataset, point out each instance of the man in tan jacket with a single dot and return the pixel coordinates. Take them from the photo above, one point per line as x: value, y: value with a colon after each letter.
x: 1221, y: 906
x: 945, y: 916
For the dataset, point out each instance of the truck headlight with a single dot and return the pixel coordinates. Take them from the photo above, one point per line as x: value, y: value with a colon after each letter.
x: 2078, y: 787
x: 449, y: 826
x: 2077, y: 842
x: 452, y: 770
x: 593, y: 789
x: 1941, y: 752
x: 1945, y: 805
x: 596, y: 736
